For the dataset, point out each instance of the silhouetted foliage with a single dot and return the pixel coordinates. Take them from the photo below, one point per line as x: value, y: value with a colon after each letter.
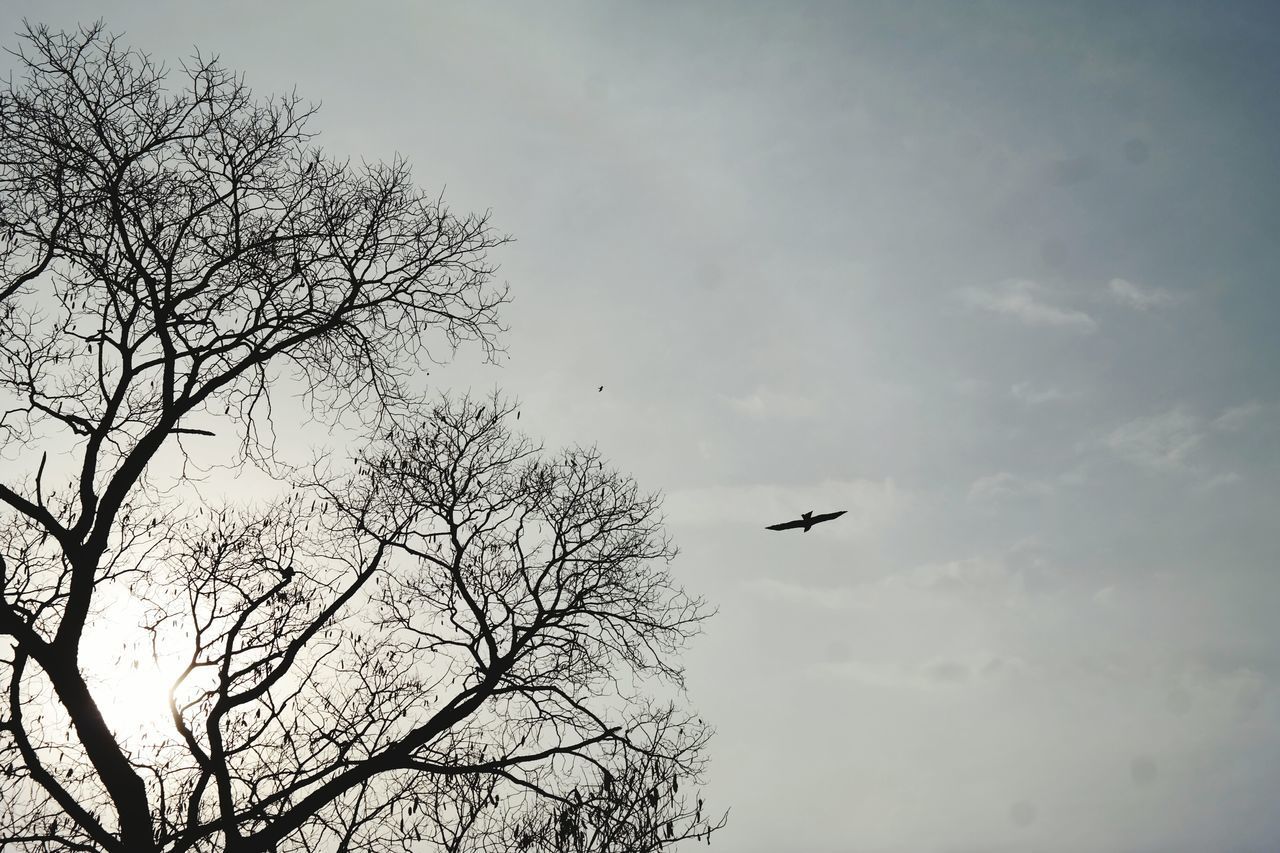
x: 446, y: 642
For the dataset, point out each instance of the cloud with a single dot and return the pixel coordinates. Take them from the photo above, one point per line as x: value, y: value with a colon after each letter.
x: 930, y: 591
x: 1160, y: 441
x: 1141, y: 297
x: 971, y: 574
x: 1167, y: 440
x: 948, y: 672
x: 822, y: 598
x: 929, y: 674
x: 1007, y: 576
x: 1221, y: 481
x: 767, y: 403
x: 1026, y: 301
x: 1235, y: 418
x: 999, y: 580
x: 1076, y: 170
x: 1002, y: 485
x: 871, y: 504
x: 872, y: 674
x: 1031, y: 395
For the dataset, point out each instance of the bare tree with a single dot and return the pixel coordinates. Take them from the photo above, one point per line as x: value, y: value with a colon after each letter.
x: 452, y: 641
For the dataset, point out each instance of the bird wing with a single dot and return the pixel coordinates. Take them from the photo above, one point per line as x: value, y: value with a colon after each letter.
x: 786, y: 525
x: 827, y: 516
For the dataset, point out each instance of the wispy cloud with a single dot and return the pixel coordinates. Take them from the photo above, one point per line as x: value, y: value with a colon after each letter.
x: 1031, y: 395
x: 1220, y: 481
x: 1141, y: 297
x: 1168, y: 440
x: 821, y: 598
x: 990, y: 574
x: 1161, y: 441
x: 938, y: 673
x: 1003, y: 485
x: 766, y: 402
x: 1029, y: 303
x: 993, y: 579
x: 888, y: 675
x: 1237, y: 417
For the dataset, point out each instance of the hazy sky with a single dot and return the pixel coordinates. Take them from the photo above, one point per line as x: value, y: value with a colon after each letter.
x: 998, y: 278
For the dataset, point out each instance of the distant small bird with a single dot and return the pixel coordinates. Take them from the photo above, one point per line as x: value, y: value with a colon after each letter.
x: 807, y: 520
x: 601, y: 388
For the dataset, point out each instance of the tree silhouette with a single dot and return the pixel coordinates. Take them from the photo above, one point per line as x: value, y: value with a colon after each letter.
x: 451, y: 641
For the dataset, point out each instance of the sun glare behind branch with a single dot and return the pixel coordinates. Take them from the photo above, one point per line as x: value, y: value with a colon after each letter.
x: 129, y: 679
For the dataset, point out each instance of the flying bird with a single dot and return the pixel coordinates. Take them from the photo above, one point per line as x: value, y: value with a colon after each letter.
x: 807, y: 520
x: 601, y: 388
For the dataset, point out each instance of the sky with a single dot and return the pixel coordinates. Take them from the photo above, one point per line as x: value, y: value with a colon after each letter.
x: 995, y: 277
